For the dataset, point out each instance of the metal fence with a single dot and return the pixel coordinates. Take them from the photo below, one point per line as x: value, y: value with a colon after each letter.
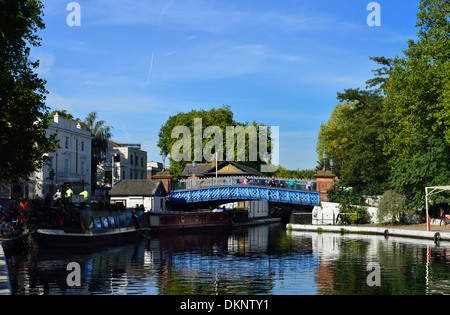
x: 326, y: 219
x: 297, y: 184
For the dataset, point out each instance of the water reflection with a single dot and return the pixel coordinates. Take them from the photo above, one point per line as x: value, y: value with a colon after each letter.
x: 408, y: 266
x: 259, y: 260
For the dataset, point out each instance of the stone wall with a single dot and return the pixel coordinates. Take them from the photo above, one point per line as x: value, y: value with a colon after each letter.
x: 328, y: 213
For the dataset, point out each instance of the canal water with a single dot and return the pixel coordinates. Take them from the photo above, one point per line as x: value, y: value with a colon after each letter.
x: 265, y: 260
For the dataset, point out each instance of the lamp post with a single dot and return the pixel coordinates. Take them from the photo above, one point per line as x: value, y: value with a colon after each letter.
x: 324, y: 160
x: 332, y: 165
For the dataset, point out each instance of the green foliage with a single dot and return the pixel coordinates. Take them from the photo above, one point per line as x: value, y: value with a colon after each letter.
x: 354, y: 137
x: 222, y: 118
x: 301, y: 174
x: 100, y: 133
x: 23, y: 120
x: 417, y: 106
x: 391, y: 205
x: 62, y: 113
x: 342, y: 192
x: 427, y: 166
x: 398, y: 133
x: 355, y: 134
x: 351, y: 214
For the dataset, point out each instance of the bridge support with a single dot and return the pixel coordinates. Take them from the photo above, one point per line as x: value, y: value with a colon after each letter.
x: 166, y: 179
x: 325, y: 181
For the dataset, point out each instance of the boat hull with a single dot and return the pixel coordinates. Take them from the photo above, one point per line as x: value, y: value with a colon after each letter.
x: 160, y: 222
x: 61, y: 238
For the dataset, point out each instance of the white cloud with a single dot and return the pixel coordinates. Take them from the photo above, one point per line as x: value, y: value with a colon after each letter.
x: 46, y: 62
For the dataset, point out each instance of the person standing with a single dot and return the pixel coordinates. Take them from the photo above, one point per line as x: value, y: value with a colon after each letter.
x: 57, y: 195
x: 85, y: 194
x: 69, y: 193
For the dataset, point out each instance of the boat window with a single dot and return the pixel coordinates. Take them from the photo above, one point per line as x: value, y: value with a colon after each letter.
x: 105, y: 222
x: 111, y: 221
x: 90, y: 222
x: 98, y: 222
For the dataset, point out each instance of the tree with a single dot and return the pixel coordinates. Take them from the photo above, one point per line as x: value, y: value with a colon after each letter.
x: 100, y: 133
x: 354, y: 137
x: 221, y: 118
x: 301, y: 174
x: 417, y: 105
x: 355, y: 134
x: 334, y: 138
x: 427, y: 166
x: 392, y: 205
x: 23, y: 120
x: 62, y: 113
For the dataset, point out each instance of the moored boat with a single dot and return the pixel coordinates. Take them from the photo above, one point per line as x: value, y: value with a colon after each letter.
x: 80, y: 227
x: 182, y: 221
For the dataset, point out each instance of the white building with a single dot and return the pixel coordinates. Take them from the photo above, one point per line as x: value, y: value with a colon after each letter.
x: 151, y: 194
x: 123, y: 161
x: 153, y: 168
x: 70, y: 164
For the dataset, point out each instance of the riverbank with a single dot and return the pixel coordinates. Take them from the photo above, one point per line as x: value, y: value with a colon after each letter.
x: 437, y: 233
x: 257, y: 221
x: 6, y: 243
x: 5, y: 288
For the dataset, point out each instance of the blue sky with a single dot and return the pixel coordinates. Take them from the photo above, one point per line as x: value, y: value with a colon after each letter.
x: 137, y: 62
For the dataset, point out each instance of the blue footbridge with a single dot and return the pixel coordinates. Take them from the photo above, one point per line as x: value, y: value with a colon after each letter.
x: 226, y: 190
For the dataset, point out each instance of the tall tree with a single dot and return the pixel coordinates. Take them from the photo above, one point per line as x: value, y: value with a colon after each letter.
x: 23, y: 122
x: 355, y: 134
x: 220, y: 118
x: 417, y: 105
x: 100, y: 133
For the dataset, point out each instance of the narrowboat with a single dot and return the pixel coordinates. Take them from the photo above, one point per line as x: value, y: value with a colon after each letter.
x: 182, y: 221
x: 80, y: 227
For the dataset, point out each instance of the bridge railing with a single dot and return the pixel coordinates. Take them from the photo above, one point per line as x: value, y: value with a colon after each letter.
x: 290, y: 183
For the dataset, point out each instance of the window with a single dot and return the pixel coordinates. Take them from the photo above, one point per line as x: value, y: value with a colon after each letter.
x: 82, y: 146
x: 131, y: 159
x: 108, y: 177
x: 66, y: 166
x: 66, y: 143
x: 142, y: 161
x: 83, y: 171
x: 123, y: 175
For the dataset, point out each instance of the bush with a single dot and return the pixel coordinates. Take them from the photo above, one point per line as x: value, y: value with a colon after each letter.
x: 391, y: 205
x: 353, y: 214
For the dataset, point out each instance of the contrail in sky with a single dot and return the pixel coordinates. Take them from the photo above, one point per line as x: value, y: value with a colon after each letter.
x: 153, y: 52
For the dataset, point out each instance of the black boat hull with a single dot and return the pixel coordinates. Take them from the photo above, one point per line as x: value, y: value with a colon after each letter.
x: 58, y: 238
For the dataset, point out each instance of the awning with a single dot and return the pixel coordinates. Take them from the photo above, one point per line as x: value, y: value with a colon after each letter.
x: 429, y: 191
